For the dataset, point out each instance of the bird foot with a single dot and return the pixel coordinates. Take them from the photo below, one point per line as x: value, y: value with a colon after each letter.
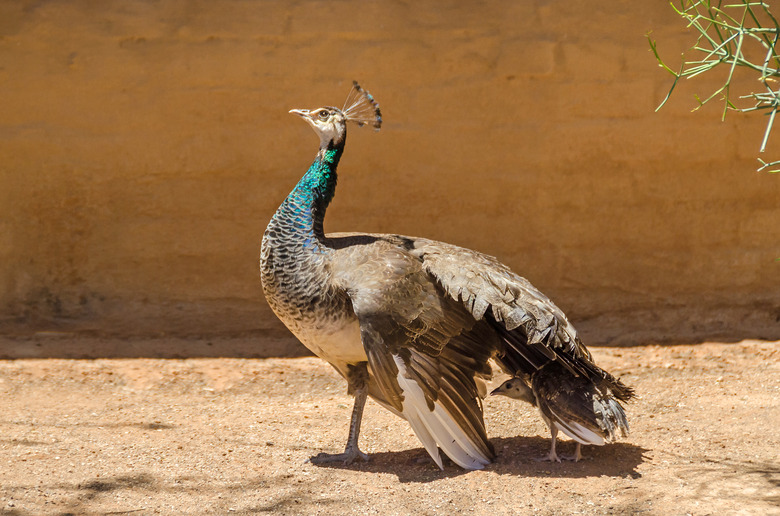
x: 577, y: 454
x: 348, y: 457
x: 550, y: 457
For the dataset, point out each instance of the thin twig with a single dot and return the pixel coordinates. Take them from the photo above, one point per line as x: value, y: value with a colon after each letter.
x: 721, y: 34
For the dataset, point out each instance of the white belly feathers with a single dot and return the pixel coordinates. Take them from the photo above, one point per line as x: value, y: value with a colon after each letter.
x: 339, y: 344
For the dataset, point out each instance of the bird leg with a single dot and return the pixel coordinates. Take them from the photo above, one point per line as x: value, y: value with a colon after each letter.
x: 357, y: 376
x: 577, y: 454
x: 554, y: 457
x: 551, y: 456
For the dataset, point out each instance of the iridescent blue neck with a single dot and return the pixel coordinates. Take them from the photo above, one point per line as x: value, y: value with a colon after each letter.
x: 303, y: 212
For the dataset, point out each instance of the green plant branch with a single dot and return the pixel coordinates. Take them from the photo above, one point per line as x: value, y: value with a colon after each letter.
x: 722, y: 31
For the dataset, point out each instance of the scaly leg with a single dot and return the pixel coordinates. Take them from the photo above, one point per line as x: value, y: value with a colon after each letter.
x: 357, y: 378
x: 577, y: 454
x: 551, y: 456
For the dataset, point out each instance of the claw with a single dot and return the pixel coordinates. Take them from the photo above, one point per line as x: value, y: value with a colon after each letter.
x: 348, y: 457
x: 554, y: 457
x: 550, y: 457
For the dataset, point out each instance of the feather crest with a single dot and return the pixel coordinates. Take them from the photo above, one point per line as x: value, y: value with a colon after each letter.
x: 361, y: 108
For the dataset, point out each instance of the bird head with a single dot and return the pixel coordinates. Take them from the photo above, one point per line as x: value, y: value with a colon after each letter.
x: 330, y: 123
x: 517, y: 389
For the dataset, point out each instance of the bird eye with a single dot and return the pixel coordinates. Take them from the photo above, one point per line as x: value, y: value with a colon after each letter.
x: 509, y: 385
x: 323, y: 114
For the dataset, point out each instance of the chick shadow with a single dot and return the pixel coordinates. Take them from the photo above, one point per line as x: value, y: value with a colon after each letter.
x: 515, y: 456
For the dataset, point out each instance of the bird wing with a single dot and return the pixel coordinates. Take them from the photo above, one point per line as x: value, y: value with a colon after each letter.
x: 527, y: 318
x: 534, y: 330
x: 424, y: 349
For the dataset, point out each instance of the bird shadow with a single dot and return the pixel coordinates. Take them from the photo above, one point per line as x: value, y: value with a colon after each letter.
x: 515, y: 456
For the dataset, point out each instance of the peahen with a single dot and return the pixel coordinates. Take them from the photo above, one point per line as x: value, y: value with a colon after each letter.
x: 410, y: 322
x: 588, y: 412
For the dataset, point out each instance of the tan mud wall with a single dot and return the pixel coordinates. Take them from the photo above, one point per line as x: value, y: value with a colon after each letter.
x: 145, y: 145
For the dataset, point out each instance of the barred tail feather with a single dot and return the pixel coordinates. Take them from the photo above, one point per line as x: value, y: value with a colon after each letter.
x: 611, y: 418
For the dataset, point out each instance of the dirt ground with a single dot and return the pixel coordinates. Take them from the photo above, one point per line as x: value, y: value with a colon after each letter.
x: 232, y: 435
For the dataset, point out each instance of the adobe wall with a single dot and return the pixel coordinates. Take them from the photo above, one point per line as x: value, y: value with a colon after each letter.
x: 144, y: 146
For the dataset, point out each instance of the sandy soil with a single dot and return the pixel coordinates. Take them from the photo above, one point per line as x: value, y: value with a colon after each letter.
x: 231, y: 436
